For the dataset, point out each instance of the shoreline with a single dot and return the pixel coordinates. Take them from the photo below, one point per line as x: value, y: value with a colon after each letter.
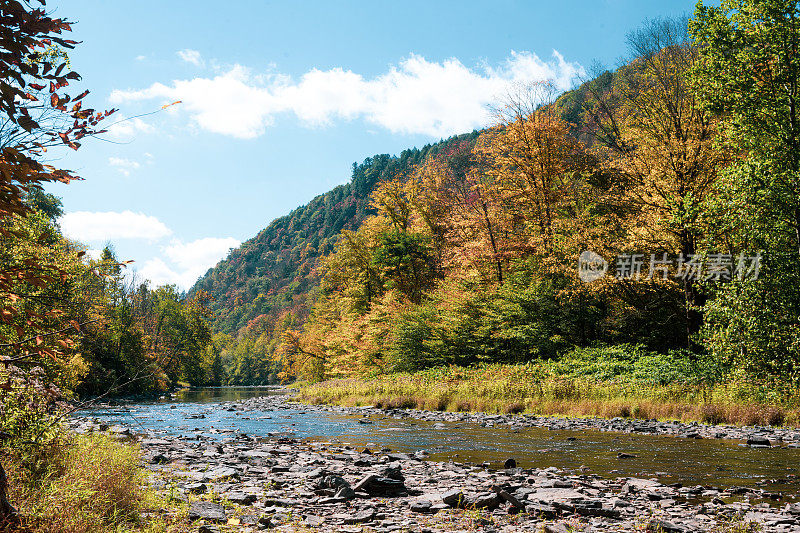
x: 781, y: 436
x: 300, y: 485
x: 526, y: 389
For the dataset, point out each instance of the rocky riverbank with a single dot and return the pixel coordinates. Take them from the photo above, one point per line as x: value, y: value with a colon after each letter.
x: 231, y: 481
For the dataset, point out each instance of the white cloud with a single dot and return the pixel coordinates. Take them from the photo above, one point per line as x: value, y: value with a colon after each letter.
x: 157, y: 272
x: 415, y: 97
x: 141, y: 58
x: 179, y: 264
x: 104, y: 226
x: 189, y: 261
x: 123, y: 165
x: 202, y: 253
x: 191, y: 56
x: 124, y: 128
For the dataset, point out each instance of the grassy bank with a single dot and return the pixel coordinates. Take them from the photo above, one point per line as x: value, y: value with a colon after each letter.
x: 608, y: 382
x: 84, y: 484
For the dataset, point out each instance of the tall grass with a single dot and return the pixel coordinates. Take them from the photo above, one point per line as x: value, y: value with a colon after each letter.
x: 87, y: 484
x: 587, y: 383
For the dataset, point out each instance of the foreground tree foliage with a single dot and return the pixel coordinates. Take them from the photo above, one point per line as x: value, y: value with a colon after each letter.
x: 37, y: 113
x: 64, y: 318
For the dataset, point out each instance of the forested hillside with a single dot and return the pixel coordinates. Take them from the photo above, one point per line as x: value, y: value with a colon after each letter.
x: 464, y: 252
x: 631, y: 221
x: 275, y: 270
x: 263, y: 293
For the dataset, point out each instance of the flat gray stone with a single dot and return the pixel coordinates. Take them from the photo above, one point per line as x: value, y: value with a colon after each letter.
x: 207, y: 511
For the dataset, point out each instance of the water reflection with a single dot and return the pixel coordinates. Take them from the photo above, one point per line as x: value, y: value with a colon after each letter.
x: 223, y: 394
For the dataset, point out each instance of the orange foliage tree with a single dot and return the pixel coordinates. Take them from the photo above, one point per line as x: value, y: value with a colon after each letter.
x: 651, y: 130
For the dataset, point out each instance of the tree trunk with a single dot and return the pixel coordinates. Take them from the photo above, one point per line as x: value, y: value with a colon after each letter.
x: 7, y: 513
x: 489, y: 229
x: 694, y: 297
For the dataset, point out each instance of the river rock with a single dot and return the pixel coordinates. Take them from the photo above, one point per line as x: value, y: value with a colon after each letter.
x: 453, y: 498
x: 538, y: 510
x: 488, y: 500
x: 555, y: 495
x: 196, y: 488
x: 360, y: 517
x: 509, y: 498
x: 757, y: 440
x: 374, y: 485
x: 332, y: 482
x: 241, y: 498
x: 159, y: 459
x: 314, y: 521
x: 207, y: 510
x: 392, y: 471
x: 345, y: 492
x: 421, y: 506
x: 633, y: 485
x: 662, y: 526
x: 219, y: 473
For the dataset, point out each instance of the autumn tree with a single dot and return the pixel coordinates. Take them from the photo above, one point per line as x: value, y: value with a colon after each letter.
x: 463, y: 209
x: 651, y: 130
x: 532, y: 161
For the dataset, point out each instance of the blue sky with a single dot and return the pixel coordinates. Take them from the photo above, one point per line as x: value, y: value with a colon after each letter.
x: 279, y: 99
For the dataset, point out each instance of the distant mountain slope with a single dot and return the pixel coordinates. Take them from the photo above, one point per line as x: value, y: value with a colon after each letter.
x: 274, y: 271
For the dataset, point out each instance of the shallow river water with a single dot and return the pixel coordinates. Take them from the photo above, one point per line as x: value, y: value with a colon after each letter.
x: 709, y: 462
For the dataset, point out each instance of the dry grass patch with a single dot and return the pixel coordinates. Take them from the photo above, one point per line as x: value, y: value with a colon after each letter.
x: 527, y: 388
x: 90, y: 484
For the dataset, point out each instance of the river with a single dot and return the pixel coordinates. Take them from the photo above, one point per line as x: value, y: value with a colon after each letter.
x: 708, y: 462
